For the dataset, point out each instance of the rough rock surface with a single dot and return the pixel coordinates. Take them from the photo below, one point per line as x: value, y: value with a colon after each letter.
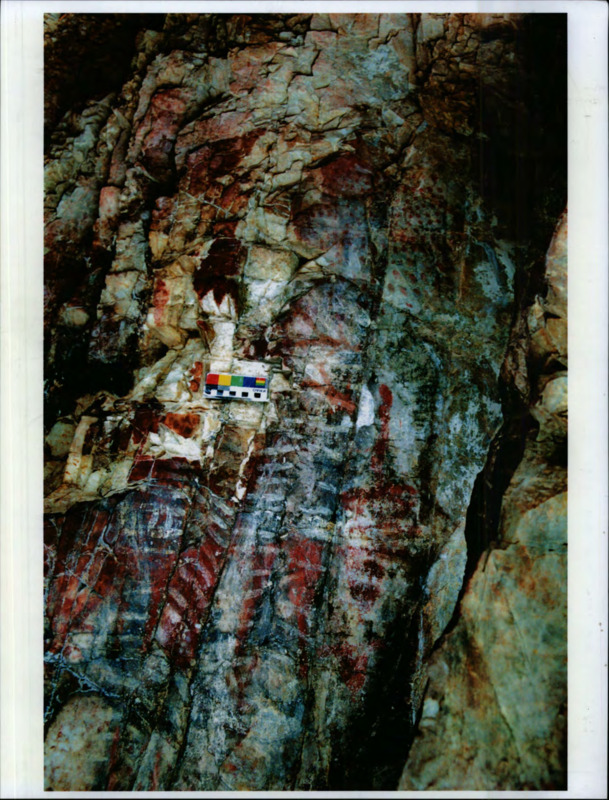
x: 494, y: 714
x: 255, y: 596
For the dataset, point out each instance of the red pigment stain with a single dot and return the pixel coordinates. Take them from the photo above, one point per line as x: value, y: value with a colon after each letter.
x: 364, y: 574
x: 141, y: 469
x: 373, y: 568
x: 188, y: 597
x: 164, y: 118
x: 113, y: 759
x: 82, y: 593
x: 347, y: 176
x: 225, y: 257
x: 162, y: 215
x: 183, y: 424
x: 299, y: 330
x: 145, y: 420
x: 218, y: 159
x: 337, y: 400
x: 367, y: 593
x: 252, y: 465
x: 225, y: 228
x: 173, y: 471
x: 220, y: 269
x: 317, y: 225
x: 76, y: 571
x: 167, y: 104
x: 64, y: 590
x: 196, y: 372
x: 158, y: 572
x: 221, y: 287
x: 122, y: 437
x: 351, y: 666
x: 154, y: 779
x: 108, y: 206
x: 109, y: 570
x: 145, y: 568
x: 163, y: 207
x: 239, y: 678
x: 380, y: 448
x: 159, y: 300
x: 261, y: 564
x: 164, y: 471
x: 76, y: 520
x: 383, y: 515
x: 234, y: 198
x: 388, y: 500
x: 303, y: 571
x: 257, y: 348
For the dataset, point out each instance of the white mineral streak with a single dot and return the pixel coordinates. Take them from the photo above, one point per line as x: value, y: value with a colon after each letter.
x: 167, y: 443
x: 365, y: 413
x: 226, y: 309
x: 152, y: 375
x: 78, y: 466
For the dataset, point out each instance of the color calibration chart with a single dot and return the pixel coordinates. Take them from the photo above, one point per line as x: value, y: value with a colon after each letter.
x: 240, y: 387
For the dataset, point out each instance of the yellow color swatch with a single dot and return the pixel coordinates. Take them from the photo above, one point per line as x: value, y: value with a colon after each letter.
x: 224, y: 380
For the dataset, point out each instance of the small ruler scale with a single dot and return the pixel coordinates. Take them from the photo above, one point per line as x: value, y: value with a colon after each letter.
x: 240, y: 387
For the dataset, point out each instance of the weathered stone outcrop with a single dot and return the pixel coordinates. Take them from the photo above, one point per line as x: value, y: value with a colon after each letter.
x: 495, y: 709
x: 255, y: 596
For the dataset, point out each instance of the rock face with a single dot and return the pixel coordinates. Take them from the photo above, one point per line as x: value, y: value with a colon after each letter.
x: 315, y: 592
x: 494, y: 714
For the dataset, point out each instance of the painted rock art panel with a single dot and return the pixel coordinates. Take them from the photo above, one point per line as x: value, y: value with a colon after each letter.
x: 305, y: 402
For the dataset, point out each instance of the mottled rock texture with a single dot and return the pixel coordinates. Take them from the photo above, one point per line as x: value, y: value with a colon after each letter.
x: 494, y: 715
x: 365, y: 577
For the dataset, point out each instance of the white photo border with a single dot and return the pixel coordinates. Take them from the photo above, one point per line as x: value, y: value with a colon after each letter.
x: 21, y: 280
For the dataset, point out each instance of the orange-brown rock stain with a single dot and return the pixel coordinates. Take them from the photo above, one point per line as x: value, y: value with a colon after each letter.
x: 196, y: 374
x: 183, y: 424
